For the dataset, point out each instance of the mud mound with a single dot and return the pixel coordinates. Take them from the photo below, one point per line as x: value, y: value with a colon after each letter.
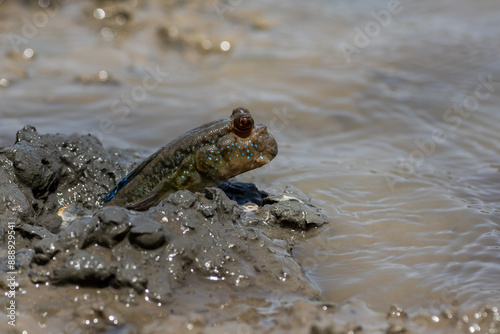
x: 41, y: 173
x: 206, y: 236
x: 187, y: 234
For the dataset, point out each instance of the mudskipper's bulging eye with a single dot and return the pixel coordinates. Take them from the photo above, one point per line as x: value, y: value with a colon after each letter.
x: 243, y: 122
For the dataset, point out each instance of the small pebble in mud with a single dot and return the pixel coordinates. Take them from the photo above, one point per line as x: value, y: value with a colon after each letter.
x: 225, y: 46
x: 174, y: 38
x: 243, y: 193
x: 20, y: 55
x: 4, y: 82
x: 148, y: 234
x: 397, y: 311
x: 99, y: 13
x: 101, y: 77
x: 28, y: 54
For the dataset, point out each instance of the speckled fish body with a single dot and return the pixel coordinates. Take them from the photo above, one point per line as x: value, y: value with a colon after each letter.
x: 200, y: 158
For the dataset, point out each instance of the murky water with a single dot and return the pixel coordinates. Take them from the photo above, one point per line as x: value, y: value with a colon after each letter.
x: 386, y: 115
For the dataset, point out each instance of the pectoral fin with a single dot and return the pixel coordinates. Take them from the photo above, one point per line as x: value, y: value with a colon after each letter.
x: 183, y: 178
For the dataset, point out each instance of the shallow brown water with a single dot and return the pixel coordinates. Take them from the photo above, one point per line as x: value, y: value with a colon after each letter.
x: 410, y: 187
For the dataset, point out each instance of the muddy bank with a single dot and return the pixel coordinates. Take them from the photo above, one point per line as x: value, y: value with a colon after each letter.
x: 153, y: 254
x: 42, y: 173
x: 187, y: 234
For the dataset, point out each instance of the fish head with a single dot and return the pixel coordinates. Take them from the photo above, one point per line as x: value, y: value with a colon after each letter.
x: 245, y: 147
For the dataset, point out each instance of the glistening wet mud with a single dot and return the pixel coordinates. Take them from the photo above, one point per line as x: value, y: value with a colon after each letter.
x: 199, y: 262
x: 152, y: 254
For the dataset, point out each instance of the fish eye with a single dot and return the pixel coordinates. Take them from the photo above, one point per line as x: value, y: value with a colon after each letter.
x: 243, y: 122
x: 239, y: 111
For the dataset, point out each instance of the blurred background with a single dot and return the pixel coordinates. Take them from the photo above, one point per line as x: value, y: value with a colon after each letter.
x: 386, y: 114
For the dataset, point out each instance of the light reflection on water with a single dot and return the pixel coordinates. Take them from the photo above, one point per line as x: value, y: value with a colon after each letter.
x: 413, y: 215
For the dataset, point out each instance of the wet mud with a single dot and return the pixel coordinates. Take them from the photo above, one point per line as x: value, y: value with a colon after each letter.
x: 211, y: 262
x: 189, y: 236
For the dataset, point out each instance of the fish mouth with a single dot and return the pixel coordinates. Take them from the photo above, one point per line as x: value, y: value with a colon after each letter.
x: 269, y: 144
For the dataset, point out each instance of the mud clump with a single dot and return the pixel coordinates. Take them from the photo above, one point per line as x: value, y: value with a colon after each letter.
x: 188, y: 236
x: 155, y: 251
x: 41, y: 173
